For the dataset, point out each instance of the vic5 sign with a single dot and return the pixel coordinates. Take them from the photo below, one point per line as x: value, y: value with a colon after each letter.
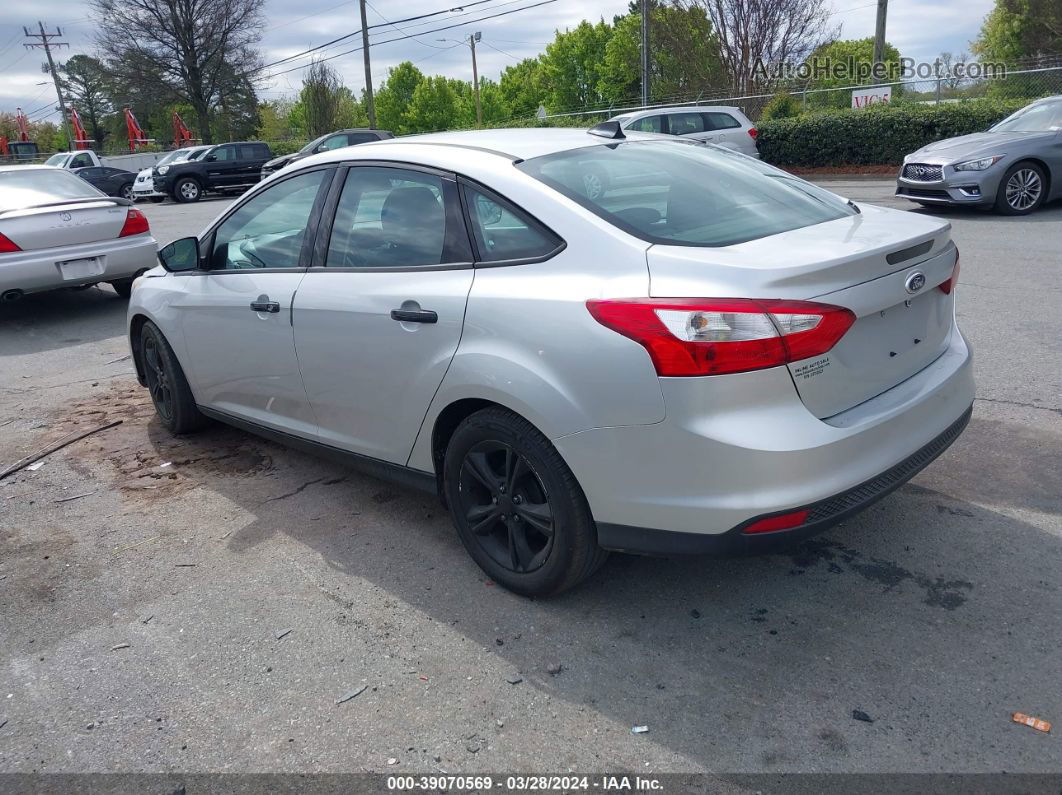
x: 865, y: 97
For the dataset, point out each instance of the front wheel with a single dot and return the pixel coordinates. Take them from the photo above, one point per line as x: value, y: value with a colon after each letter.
x: 187, y: 190
x: 517, y: 507
x: 166, y: 383
x: 1022, y: 189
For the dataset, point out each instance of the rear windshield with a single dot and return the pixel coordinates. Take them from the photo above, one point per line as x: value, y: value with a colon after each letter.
x: 22, y: 188
x: 685, y: 194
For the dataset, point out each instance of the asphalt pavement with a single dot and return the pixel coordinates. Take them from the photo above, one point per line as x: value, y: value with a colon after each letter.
x: 203, y: 604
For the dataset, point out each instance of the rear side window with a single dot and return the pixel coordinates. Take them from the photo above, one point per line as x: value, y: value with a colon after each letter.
x: 253, y: 152
x: 685, y: 123
x: 361, y: 138
x: 650, y: 124
x: 503, y: 232
x: 686, y: 193
x: 720, y: 121
x: 80, y: 161
x: 397, y: 218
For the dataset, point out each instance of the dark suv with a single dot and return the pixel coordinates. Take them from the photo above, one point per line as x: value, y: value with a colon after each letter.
x: 332, y: 140
x: 226, y: 167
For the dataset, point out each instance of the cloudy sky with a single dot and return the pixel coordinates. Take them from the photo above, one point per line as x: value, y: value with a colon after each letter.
x: 919, y: 28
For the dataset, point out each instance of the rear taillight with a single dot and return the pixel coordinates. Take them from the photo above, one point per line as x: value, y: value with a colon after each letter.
x: 715, y: 336
x: 6, y: 245
x: 952, y: 281
x: 136, y: 223
x: 786, y: 521
x: 753, y: 132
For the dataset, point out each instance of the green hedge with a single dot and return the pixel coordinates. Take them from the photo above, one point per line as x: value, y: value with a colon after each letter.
x: 879, y: 135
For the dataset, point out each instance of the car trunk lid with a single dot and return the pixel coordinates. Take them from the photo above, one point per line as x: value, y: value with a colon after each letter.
x: 866, y: 263
x: 64, y: 223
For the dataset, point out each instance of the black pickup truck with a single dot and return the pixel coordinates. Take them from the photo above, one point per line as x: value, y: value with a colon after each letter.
x: 226, y: 167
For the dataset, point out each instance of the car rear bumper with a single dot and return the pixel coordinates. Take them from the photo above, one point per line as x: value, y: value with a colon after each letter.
x: 735, y: 449
x: 35, y: 271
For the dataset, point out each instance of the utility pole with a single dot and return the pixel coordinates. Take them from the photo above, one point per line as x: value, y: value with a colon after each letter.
x: 370, y: 104
x: 645, y: 52
x: 879, y: 38
x: 44, y: 40
x: 475, y: 76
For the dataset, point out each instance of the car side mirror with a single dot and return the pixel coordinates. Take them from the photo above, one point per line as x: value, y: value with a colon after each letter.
x: 180, y: 255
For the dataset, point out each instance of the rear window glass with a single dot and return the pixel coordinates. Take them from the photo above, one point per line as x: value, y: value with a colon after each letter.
x: 688, y: 194
x: 20, y: 188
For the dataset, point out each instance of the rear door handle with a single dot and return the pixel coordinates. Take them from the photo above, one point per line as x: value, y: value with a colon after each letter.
x: 414, y: 316
x: 263, y: 304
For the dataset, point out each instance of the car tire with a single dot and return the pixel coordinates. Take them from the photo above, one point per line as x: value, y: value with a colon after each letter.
x: 124, y: 287
x: 1022, y: 189
x: 126, y: 192
x: 157, y: 199
x: 170, y: 393
x: 517, y: 506
x: 187, y: 190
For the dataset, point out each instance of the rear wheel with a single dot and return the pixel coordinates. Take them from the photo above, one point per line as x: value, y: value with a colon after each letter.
x: 124, y: 287
x: 1022, y: 189
x: 517, y: 507
x: 166, y: 383
x: 126, y: 191
x: 187, y: 190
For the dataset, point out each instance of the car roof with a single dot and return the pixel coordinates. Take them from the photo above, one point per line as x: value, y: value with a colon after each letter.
x: 639, y: 114
x: 510, y: 143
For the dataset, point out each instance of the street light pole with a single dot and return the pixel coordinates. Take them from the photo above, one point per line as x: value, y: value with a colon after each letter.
x: 475, y: 76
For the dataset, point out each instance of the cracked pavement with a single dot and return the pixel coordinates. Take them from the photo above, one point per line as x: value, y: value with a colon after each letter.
x: 144, y: 581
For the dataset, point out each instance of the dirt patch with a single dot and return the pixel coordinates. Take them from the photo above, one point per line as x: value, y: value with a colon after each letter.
x: 142, y: 458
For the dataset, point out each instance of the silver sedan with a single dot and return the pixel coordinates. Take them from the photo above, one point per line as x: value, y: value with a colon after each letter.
x: 58, y: 231
x: 1016, y: 166
x: 710, y: 354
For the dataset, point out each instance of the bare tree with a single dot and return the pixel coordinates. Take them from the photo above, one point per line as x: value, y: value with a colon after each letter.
x: 771, y: 31
x: 189, y: 45
x: 946, y: 69
x: 321, y: 97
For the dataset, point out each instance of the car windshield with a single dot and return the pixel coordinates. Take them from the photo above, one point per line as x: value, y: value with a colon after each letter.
x: 57, y: 159
x: 175, y: 156
x: 679, y: 193
x: 29, y: 187
x: 1042, y: 117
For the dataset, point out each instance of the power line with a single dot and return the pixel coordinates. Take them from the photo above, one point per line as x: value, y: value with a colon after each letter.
x: 422, y: 33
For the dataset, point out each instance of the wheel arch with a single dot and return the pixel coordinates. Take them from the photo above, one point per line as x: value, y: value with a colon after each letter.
x: 136, y: 327
x: 1036, y: 161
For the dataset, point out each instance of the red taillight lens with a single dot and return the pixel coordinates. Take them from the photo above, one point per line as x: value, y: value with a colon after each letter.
x: 715, y: 336
x: 787, y: 521
x: 136, y: 223
x: 952, y: 281
x: 753, y: 132
x: 6, y: 245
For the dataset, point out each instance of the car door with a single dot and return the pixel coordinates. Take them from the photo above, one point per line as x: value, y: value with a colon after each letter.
x: 114, y: 178
x: 235, y: 312
x: 690, y: 124
x: 222, y: 167
x: 725, y: 129
x: 251, y: 158
x: 94, y: 177
x: 379, y: 315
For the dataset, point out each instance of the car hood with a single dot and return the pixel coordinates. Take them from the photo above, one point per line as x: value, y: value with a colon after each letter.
x: 144, y: 172
x: 974, y: 145
x: 283, y: 160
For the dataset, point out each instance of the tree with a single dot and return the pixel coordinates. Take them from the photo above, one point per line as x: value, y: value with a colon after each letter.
x: 857, y: 54
x: 572, y: 67
x: 433, y: 106
x: 522, y: 87
x: 191, y: 46
x: 321, y: 97
x: 1020, y: 29
x: 87, y: 86
x: 394, y: 97
x: 774, y: 31
x: 948, y: 61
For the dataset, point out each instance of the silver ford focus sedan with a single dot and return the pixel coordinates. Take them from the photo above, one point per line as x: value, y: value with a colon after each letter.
x: 56, y: 230
x: 710, y: 355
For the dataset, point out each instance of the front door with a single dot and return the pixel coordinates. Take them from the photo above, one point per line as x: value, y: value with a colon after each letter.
x: 223, y: 167
x: 236, y: 314
x: 379, y: 317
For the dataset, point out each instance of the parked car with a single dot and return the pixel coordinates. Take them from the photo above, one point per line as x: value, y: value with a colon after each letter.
x: 722, y: 125
x: 82, y: 158
x: 58, y: 231
x: 112, y: 181
x: 325, y: 143
x: 224, y: 168
x: 725, y: 357
x: 144, y: 187
x: 1015, y: 166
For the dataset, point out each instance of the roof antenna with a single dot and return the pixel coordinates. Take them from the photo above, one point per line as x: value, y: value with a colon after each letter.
x: 607, y: 129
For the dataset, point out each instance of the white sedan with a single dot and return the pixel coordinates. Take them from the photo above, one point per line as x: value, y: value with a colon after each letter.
x: 58, y: 231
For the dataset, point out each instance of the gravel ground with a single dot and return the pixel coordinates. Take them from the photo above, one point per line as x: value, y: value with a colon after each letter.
x: 203, y: 604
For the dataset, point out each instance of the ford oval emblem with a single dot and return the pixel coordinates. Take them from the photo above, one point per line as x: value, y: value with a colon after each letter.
x: 915, y: 282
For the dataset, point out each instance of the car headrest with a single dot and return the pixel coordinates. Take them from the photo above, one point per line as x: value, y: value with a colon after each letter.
x: 415, y: 206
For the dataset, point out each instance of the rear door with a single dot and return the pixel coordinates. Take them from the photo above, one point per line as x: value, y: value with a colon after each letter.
x: 251, y: 158
x: 379, y: 316
x: 689, y: 124
x: 235, y: 313
x: 725, y: 129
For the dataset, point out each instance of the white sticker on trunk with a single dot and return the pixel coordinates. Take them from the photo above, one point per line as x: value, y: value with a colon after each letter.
x: 811, y: 369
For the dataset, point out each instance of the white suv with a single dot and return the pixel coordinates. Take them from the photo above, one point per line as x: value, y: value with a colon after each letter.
x: 723, y: 125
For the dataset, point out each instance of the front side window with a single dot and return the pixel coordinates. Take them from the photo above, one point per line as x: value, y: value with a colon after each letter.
x: 268, y: 231
x: 504, y: 233
x: 224, y: 153
x: 685, y: 193
x: 396, y: 218
x: 335, y: 142
x: 685, y: 123
x: 81, y: 161
x: 650, y: 124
